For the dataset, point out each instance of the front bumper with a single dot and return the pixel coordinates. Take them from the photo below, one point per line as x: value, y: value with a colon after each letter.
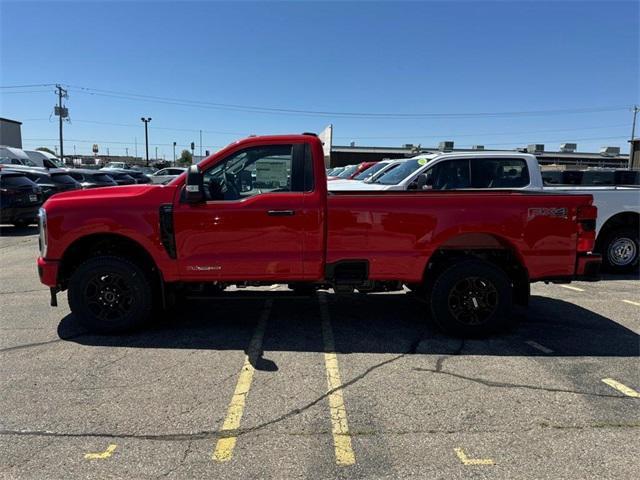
x: 588, y: 267
x: 48, y: 271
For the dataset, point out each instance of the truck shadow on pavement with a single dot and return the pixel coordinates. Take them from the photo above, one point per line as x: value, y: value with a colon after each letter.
x: 366, y: 324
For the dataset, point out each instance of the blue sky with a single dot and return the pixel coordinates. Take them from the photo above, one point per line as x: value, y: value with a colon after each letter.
x: 416, y: 57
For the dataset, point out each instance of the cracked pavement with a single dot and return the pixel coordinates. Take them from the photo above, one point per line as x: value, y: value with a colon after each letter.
x: 411, y: 394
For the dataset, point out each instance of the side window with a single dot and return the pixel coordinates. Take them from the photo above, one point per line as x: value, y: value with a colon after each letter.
x: 499, y: 173
x: 253, y: 171
x: 449, y: 175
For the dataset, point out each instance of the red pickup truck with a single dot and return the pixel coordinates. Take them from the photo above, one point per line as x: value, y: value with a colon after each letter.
x: 258, y: 213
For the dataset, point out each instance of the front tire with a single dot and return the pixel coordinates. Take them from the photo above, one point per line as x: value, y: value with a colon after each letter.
x: 110, y: 294
x: 620, y: 250
x: 471, y: 298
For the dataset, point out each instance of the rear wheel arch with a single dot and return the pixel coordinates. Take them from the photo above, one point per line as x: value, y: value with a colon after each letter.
x: 618, y: 221
x: 480, y: 246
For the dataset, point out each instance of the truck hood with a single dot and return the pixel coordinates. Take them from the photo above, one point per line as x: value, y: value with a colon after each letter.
x: 106, y: 193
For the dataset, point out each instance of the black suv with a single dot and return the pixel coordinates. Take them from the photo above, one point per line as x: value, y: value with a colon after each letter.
x: 20, y: 199
x: 92, y: 178
x: 51, y: 181
x: 138, y: 176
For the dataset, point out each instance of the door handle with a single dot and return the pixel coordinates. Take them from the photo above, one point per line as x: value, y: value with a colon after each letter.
x: 281, y: 213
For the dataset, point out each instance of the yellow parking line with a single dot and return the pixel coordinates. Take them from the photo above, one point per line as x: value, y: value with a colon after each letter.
x: 569, y: 287
x: 225, y: 445
x: 339, y: 425
x: 101, y: 455
x: 631, y: 303
x: 629, y: 392
x: 472, y: 461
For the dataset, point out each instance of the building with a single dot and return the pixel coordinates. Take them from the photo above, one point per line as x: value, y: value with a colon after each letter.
x: 10, y: 133
x: 566, y: 155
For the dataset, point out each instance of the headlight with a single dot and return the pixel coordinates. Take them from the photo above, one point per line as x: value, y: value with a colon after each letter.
x: 42, y: 227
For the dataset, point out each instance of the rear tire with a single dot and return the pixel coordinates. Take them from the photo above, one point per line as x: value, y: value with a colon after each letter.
x: 110, y: 295
x: 620, y: 250
x: 471, y: 298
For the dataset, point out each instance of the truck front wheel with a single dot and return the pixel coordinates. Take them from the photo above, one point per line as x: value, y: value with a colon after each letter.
x: 110, y: 294
x: 471, y: 298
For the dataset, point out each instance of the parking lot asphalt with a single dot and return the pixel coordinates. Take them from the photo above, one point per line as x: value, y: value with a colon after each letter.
x: 260, y: 383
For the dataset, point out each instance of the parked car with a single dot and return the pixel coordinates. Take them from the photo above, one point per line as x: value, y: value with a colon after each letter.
x: 369, y: 172
x: 118, y: 165
x: 20, y: 199
x: 50, y: 182
x: 138, y: 176
x: 148, y: 171
x: 121, y: 178
x: 469, y: 255
x: 15, y: 156
x: 92, y: 178
x: 167, y: 174
x: 44, y: 159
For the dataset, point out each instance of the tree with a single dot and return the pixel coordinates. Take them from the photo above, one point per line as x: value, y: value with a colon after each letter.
x: 186, y: 158
x: 45, y: 149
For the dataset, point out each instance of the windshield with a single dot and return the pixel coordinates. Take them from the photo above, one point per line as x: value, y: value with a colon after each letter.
x: 371, y: 171
x: 62, y: 178
x: 401, y: 172
x: 347, y: 172
x: 101, y: 177
x: 335, y: 171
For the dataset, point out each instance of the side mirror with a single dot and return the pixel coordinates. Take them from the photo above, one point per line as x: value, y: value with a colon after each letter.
x: 194, y: 188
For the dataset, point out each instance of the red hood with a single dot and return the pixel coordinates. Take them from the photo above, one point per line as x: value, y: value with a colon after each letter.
x: 106, y: 192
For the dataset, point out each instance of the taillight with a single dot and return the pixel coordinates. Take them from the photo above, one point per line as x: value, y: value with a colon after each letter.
x: 586, y: 228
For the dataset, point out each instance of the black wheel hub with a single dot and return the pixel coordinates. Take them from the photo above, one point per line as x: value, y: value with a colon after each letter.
x: 109, y: 296
x: 473, y: 300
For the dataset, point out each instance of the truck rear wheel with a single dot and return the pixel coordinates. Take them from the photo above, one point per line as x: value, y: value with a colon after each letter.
x: 110, y: 295
x: 620, y: 250
x: 471, y: 298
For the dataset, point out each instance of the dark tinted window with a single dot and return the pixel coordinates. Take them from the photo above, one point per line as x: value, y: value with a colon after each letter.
x: 627, y: 177
x: 499, y: 173
x: 15, y: 181
x: 598, y: 178
x: 78, y: 176
x: 450, y: 175
x: 552, y: 177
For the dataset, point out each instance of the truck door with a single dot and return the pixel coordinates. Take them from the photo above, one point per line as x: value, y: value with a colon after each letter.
x: 251, y: 226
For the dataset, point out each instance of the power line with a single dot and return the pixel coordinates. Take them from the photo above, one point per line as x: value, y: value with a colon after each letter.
x: 321, y: 113
x: 29, y: 86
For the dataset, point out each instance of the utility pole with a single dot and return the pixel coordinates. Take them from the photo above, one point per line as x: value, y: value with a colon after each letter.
x: 156, y: 154
x: 635, y: 110
x: 135, y: 143
x: 126, y: 151
x: 74, y: 150
x: 174, y: 154
x: 146, y: 136
x: 62, y: 113
x: 200, y: 143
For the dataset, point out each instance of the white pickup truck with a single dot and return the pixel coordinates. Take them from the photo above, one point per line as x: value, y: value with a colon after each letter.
x: 618, y: 220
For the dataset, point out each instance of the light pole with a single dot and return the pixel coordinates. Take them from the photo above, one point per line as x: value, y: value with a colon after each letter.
x: 146, y: 136
x: 174, y: 154
x: 156, y: 154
